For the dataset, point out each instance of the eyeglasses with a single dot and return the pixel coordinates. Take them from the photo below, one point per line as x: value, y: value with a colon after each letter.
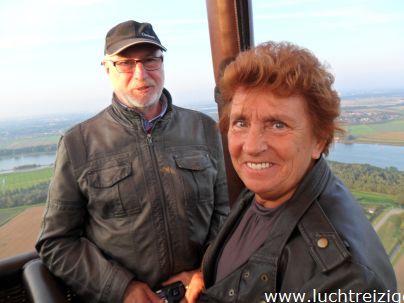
x: 128, y: 65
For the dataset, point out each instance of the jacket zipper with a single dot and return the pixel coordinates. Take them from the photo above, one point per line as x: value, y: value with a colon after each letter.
x: 165, y: 215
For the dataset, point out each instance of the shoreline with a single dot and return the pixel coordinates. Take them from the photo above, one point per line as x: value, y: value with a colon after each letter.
x: 401, y: 144
x: 38, y: 167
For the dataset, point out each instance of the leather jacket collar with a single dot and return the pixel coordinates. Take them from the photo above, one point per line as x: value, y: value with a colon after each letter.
x: 132, y: 118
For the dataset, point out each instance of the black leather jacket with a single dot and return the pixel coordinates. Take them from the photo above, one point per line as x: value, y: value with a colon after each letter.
x: 126, y: 205
x: 321, y: 240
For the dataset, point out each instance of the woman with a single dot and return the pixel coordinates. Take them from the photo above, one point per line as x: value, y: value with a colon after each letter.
x: 296, y: 228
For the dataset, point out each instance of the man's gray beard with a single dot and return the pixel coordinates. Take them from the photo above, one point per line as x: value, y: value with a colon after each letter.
x: 135, y: 103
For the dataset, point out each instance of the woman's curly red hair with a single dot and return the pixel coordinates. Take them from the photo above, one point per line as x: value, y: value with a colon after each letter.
x: 285, y: 70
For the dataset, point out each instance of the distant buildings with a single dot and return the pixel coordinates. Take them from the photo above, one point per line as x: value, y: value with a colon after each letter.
x: 366, y: 117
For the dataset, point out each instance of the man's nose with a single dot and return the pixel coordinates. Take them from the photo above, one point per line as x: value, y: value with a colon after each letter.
x: 139, y: 72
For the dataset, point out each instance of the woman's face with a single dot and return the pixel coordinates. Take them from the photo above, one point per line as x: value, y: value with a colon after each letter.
x: 271, y: 143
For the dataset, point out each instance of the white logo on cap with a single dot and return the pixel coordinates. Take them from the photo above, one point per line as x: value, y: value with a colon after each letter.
x: 147, y: 35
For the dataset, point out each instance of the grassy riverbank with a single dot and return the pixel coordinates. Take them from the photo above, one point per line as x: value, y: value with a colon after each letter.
x: 390, y: 132
x: 24, y: 179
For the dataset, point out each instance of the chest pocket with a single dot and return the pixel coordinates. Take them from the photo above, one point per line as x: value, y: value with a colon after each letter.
x: 198, y: 174
x: 112, y: 191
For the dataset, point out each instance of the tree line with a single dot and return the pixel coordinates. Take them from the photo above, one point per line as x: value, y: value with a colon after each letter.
x: 24, y: 196
x: 368, y: 178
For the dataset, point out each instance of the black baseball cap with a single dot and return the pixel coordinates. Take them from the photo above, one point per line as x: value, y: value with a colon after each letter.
x: 130, y: 33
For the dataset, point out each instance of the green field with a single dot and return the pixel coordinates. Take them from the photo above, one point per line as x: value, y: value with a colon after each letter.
x: 366, y: 129
x: 390, y: 132
x: 374, y: 198
x: 24, y: 179
x: 29, y: 142
x: 374, y: 204
x: 8, y: 213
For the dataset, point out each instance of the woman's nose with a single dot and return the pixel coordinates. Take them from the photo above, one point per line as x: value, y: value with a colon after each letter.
x: 255, y: 141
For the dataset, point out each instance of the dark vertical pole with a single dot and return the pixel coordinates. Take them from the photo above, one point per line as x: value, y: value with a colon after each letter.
x: 231, y: 31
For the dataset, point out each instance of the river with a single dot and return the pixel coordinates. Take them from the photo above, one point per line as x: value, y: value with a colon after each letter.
x: 374, y: 154
x: 43, y: 159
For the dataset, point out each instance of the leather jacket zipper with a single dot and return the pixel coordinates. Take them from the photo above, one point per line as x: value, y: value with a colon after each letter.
x: 149, y: 140
x: 165, y: 215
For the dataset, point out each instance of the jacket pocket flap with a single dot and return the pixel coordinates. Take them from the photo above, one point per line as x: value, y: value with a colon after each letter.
x: 107, y: 177
x: 194, y: 162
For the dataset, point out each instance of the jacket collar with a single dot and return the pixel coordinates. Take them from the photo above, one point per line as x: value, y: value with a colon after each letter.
x: 309, y: 189
x: 132, y: 118
x: 304, y: 212
x: 307, y: 192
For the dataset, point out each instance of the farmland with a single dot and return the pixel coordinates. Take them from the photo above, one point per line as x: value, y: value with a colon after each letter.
x: 20, y: 233
x: 24, y: 179
x: 7, y: 214
x: 41, y: 131
x: 23, y: 142
x: 391, y: 132
x: 24, y: 187
x: 374, y: 120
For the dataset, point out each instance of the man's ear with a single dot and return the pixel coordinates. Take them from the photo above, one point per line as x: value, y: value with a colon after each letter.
x: 106, y: 66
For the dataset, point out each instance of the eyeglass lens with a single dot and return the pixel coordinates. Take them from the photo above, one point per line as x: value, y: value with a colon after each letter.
x: 149, y: 64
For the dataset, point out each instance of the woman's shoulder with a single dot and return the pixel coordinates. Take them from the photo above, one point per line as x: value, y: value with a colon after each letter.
x: 351, y: 235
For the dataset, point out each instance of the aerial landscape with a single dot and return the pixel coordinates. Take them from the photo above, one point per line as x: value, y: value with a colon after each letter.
x: 27, y: 151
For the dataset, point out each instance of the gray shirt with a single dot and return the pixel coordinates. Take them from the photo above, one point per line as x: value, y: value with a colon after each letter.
x: 251, y: 232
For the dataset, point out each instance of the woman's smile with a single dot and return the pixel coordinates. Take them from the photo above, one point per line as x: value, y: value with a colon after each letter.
x: 259, y: 166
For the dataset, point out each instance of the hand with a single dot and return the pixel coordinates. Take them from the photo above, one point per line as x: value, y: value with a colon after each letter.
x: 194, y: 284
x: 195, y: 287
x: 138, y: 292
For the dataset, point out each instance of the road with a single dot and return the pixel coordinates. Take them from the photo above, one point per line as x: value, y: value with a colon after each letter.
x: 386, y: 216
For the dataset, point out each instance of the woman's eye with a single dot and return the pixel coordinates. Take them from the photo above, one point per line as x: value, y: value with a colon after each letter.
x: 279, y: 125
x: 240, y: 123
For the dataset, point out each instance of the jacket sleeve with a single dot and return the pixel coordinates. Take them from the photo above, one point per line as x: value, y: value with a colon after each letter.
x: 221, y: 202
x: 62, y: 244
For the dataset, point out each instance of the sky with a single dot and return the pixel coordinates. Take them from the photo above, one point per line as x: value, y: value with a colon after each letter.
x: 51, y: 50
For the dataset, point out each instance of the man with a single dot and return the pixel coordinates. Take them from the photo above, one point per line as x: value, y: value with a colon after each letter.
x: 139, y: 190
